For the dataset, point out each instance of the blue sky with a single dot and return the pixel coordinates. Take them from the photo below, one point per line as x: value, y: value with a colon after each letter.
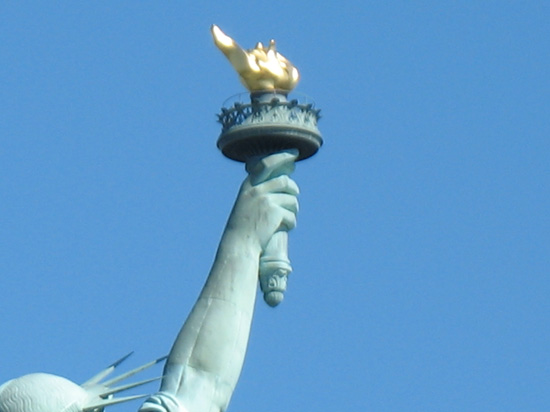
x: 421, y: 257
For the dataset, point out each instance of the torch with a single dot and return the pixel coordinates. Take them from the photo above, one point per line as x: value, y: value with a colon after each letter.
x: 268, y: 122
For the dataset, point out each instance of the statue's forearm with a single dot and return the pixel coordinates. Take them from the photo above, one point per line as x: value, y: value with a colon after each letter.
x: 206, y: 359
x: 207, y: 356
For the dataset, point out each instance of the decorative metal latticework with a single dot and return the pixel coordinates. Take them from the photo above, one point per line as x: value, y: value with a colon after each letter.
x: 267, y: 125
x: 274, y: 111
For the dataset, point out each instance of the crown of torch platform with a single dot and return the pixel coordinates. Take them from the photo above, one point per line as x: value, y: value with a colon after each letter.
x: 269, y: 123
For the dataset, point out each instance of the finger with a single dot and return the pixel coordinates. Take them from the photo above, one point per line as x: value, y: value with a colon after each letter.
x: 262, y: 169
x: 281, y: 184
x: 288, y: 221
x: 285, y: 201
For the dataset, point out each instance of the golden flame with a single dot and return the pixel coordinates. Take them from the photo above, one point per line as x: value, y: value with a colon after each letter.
x: 260, y: 68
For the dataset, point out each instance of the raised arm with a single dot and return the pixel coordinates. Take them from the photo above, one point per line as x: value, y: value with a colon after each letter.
x: 207, y: 357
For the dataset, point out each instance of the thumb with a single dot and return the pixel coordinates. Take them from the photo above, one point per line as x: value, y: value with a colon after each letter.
x: 264, y: 168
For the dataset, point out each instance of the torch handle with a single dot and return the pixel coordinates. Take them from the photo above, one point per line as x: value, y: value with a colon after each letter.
x: 275, y: 268
x: 274, y: 263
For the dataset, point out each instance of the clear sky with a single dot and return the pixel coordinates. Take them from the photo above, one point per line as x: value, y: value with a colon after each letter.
x: 422, y: 253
